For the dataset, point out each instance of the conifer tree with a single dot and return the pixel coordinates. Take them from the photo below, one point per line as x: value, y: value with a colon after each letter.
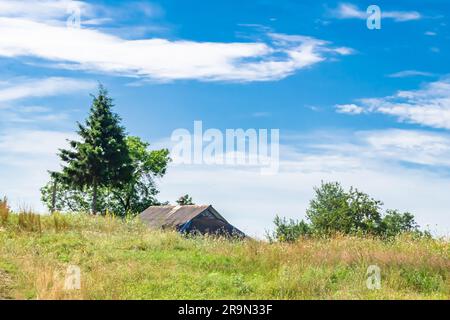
x: 100, y: 158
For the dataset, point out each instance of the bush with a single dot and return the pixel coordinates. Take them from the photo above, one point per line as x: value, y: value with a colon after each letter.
x: 288, y: 230
x: 395, y: 223
x: 334, y: 210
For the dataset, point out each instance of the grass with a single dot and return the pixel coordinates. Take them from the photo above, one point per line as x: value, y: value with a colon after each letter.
x: 122, y: 259
x: 4, y: 211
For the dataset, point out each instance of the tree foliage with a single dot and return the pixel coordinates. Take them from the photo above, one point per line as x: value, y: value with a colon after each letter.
x: 100, y: 158
x: 139, y: 193
x: 288, y: 230
x: 105, y: 170
x: 185, y: 200
x: 68, y: 198
x: 126, y: 198
x: 395, y: 222
x: 334, y: 210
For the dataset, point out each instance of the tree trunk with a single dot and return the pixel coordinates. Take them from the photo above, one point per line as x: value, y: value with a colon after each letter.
x: 94, y: 199
x: 54, y: 197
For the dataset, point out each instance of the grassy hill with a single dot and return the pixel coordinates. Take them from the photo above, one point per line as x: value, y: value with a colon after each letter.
x: 124, y: 260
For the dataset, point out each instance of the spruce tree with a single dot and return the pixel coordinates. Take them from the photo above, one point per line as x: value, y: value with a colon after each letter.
x: 100, y: 158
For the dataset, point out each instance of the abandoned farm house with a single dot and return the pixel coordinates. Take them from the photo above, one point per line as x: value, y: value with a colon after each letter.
x: 189, y: 219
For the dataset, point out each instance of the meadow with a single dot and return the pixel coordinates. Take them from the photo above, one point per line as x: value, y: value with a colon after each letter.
x: 122, y: 259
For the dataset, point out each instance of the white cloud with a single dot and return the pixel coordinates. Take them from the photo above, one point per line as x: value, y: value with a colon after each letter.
x: 418, y: 147
x: 428, y: 106
x: 35, y: 88
x: 350, y: 11
x: 25, y: 157
x: 410, y: 73
x: 344, y: 51
x: 349, y: 108
x: 91, y: 14
x: 401, y: 15
x: 43, y: 10
x: 430, y: 33
x: 14, y: 93
x: 20, y: 115
x: 161, y: 59
x: 147, y: 8
x: 32, y: 142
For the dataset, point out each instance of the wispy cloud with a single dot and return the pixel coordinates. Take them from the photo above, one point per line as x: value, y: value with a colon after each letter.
x: 28, y: 115
x: 25, y: 157
x: 277, y: 57
x: 428, y: 106
x: 91, y: 13
x: 261, y: 114
x: 410, y: 146
x: 351, y: 11
x: 15, y: 108
x: 34, y: 88
x: 398, y: 146
x: 33, y: 142
x: 43, y: 10
x: 349, y: 108
x: 410, y: 73
x: 430, y: 33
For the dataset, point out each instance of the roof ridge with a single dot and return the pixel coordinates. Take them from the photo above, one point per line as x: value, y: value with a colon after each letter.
x: 175, y: 209
x: 186, y: 205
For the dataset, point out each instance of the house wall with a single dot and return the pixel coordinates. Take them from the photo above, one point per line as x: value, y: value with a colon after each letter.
x: 207, y: 223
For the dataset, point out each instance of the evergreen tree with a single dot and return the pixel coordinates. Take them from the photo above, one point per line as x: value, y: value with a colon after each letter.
x: 100, y: 158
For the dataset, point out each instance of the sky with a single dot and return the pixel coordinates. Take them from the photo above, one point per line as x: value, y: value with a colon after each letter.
x: 369, y: 108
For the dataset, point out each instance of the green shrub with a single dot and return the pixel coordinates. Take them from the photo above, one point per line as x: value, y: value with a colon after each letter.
x: 336, y: 211
x: 288, y: 230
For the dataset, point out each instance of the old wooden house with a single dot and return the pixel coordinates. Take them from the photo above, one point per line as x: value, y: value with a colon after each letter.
x: 201, y: 219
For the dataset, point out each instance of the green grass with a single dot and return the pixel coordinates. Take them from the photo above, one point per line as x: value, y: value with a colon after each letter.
x: 124, y: 260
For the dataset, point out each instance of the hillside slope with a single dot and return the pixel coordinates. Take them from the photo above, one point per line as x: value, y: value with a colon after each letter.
x: 123, y: 260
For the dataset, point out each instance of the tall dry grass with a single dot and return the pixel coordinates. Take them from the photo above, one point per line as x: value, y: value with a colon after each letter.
x: 4, y: 211
x: 29, y: 221
x: 124, y: 260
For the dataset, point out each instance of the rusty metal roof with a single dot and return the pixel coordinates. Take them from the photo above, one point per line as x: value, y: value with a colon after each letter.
x: 174, y: 216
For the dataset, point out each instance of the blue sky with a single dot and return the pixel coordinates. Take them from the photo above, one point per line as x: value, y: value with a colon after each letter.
x: 369, y: 108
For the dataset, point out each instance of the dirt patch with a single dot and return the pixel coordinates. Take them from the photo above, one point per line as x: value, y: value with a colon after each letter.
x: 6, y: 284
